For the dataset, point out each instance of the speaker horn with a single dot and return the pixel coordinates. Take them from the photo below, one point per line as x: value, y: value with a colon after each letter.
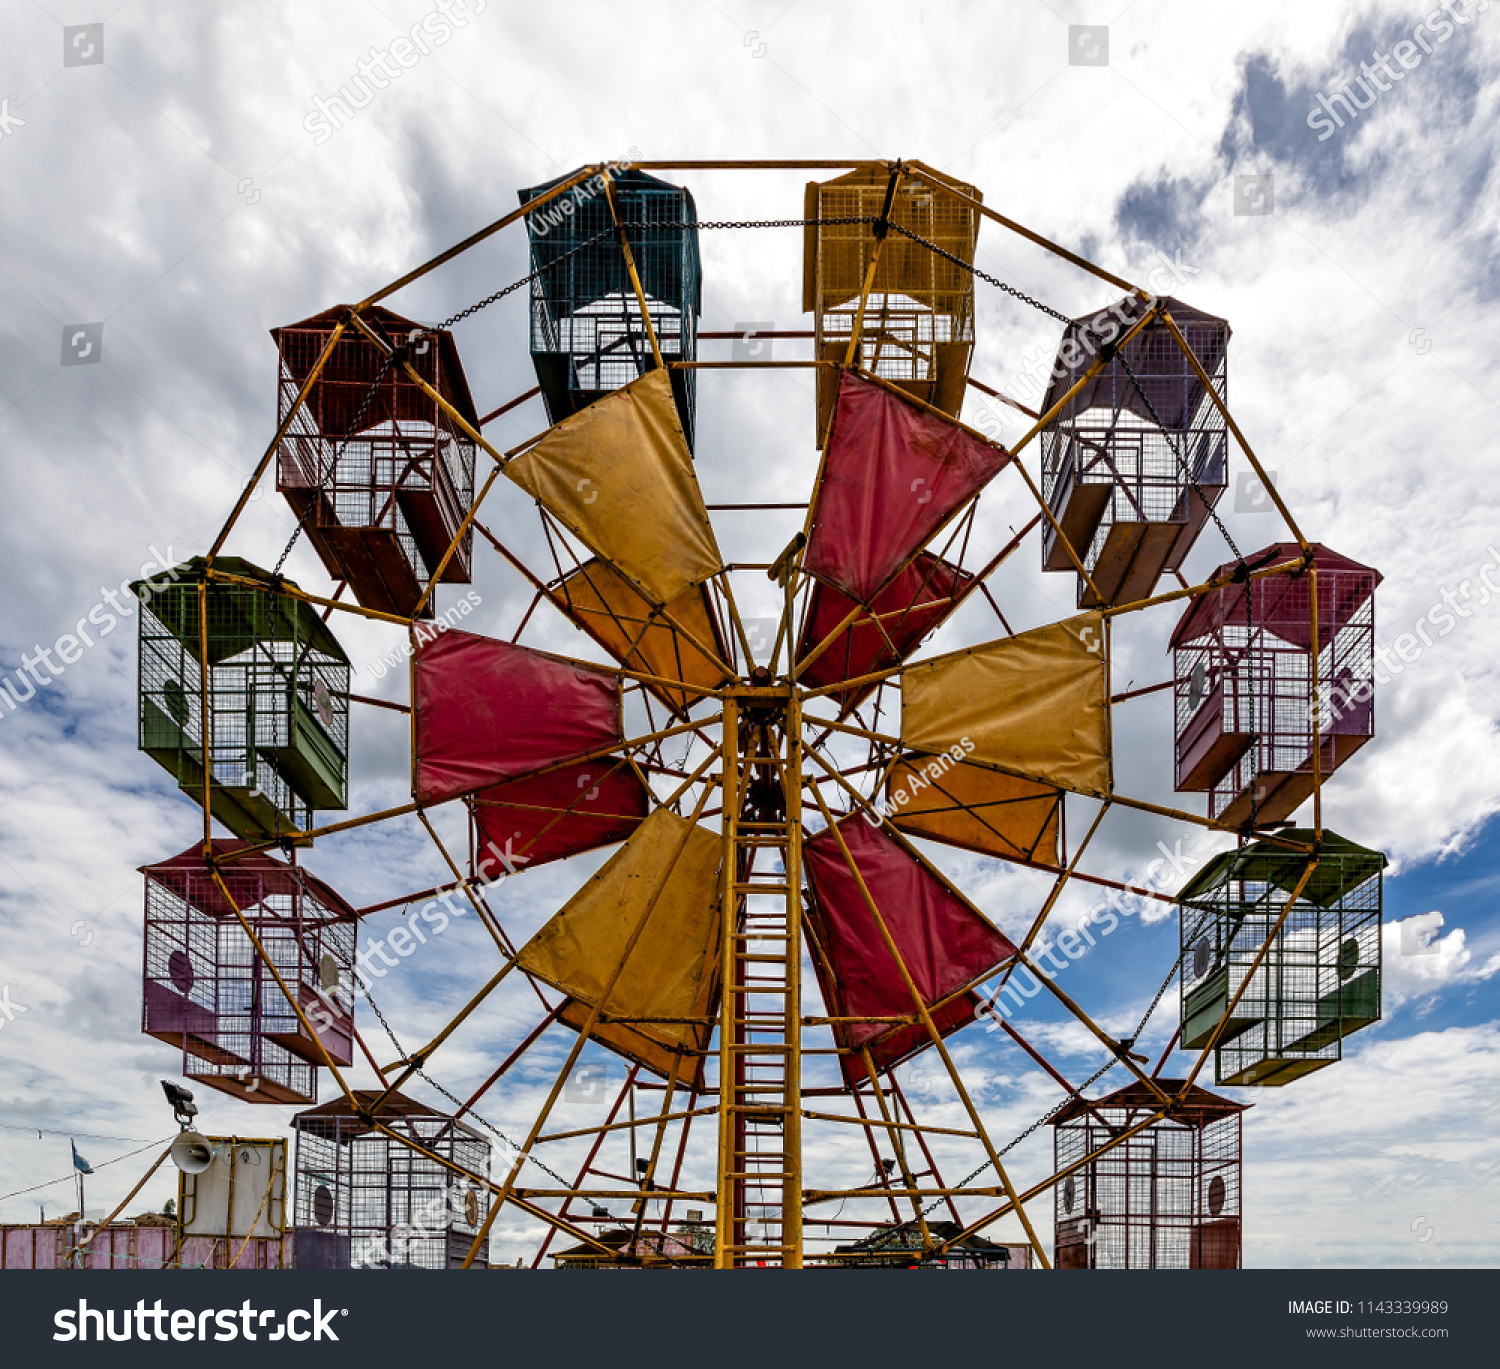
x: 192, y: 1153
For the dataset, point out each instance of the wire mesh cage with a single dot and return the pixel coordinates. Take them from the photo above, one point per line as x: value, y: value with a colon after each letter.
x: 1136, y: 460
x: 1319, y: 979
x: 376, y: 470
x: 278, y: 698
x: 1242, y: 663
x: 369, y: 1201
x: 207, y: 990
x: 1167, y: 1197
x: 588, y: 336
x: 918, y: 327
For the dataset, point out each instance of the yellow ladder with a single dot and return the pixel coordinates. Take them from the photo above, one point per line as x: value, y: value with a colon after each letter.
x: 759, y: 1220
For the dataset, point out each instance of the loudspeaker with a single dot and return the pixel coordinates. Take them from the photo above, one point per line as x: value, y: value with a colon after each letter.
x: 191, y: 1152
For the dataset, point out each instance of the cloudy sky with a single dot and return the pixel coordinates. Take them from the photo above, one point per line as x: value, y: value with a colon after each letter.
x: 170, y: 194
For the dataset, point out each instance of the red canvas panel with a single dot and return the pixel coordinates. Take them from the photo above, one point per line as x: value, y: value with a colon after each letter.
x: 943, y: 943
x: 927, y: 588
x: 1282, y: 603
x: 892, y: 472
x: 530, y: 821
x: 487, y: 711
x: 904, y: 1042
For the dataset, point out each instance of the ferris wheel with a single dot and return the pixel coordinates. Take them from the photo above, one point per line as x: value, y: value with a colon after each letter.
x: 770, y: 938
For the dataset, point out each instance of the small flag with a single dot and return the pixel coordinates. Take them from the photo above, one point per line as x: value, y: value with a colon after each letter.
x: 79, y: 1163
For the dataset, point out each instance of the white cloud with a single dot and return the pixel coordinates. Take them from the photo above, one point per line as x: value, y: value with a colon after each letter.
x: 122, y: 204
x: 1350, y: 1158
x: 1419, y: 962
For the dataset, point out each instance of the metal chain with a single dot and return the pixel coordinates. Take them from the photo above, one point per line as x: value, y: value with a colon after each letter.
x: 707, y: 225
x: 634, y: 225
x: 1087, y: 1083
x: 391, y: 359
x: 1181, y: 460
x: 982, y: 275
x: 516, y: 285
x: 422, y: 1074
x: 1224, y: 531
x: 872, y: 218
x: 427, y: 1079
x: 551, y: 1173
x: 764, y: 223
x: 1125, y: 364
x: 333, y: 465
x: 609, y: 232
x: 375, y: 1008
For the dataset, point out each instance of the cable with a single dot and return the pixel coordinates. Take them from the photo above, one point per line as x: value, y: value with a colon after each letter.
x: 86, y: 1135
x: 390, y: 361
x: 68, y: 1178
x: 265, y: 1198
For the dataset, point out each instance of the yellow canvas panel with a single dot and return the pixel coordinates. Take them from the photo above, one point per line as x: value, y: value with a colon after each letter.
x: 666, y: 873
x: 1036, y: 704
x: 620, y: 476
x: 617, y: 617
x: 978, y: 809
x: 646, y: 1045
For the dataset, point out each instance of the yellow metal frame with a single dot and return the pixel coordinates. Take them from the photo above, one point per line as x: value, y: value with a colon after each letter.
x: 750, y: 715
